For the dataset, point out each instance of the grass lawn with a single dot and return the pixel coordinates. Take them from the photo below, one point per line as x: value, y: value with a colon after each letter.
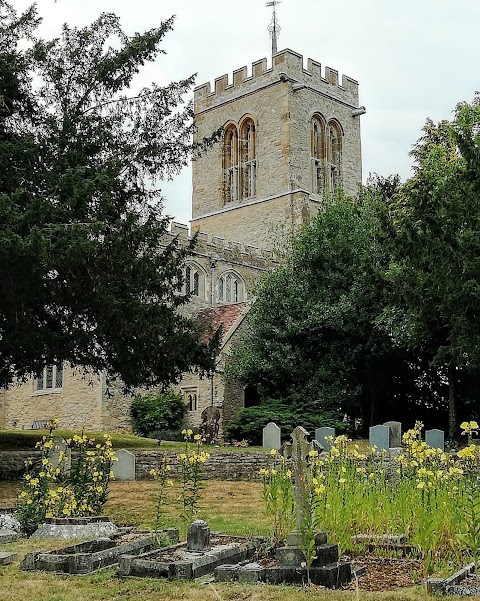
x: 232, y: 507
x: 24, y: 440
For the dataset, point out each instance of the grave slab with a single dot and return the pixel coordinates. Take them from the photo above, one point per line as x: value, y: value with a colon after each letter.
x: 71, y: 528
x: 6, y: 558
x: 176, y: 562
x: 8, y: 536
x: 96, y: 554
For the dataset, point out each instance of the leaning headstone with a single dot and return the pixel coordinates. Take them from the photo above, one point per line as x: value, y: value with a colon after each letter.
x: 435, y: 439
x: 324, y: 433
x: 272, y: 437
x: 395, y: 434
x: 124, y: 468
x: 379, y: 436
x: 198, y: 536
x: 61, y: 455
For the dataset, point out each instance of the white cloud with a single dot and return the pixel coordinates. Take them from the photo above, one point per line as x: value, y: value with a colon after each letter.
x: 413, y: 58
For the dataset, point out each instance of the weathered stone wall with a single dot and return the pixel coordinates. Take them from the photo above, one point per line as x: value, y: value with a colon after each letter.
x: 78, y: 404
x: 220, y: 466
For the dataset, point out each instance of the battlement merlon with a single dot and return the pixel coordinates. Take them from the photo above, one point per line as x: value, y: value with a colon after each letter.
x: 287, y: 66
x: 219, y: 246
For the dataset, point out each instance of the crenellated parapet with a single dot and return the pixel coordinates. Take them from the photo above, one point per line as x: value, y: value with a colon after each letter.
x: 217, y: 247
x: 287, y: 67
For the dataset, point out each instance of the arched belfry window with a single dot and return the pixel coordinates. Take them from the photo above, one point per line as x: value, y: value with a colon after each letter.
x: 194, y: 281
x: 248, y: 156
x: 230, y: 164
x: 317, y: 154
x: 230, y: 288
x: 334, y: 155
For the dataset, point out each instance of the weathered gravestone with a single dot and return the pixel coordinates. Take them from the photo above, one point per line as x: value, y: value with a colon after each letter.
x: 395, y: 434
x: 298, y: 450
x: 61, y: 455
x: 322, y: 434
x: 379, y: 436
x: 272, y: 436
x: 198, y: 536
x: 124, y: 468
x: 435, y: 439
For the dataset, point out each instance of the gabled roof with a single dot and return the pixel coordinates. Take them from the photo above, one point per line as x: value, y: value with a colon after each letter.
x: 227, y: 316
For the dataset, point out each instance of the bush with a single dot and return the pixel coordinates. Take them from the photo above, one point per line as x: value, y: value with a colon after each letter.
x: 153, y: 412
x: 249, y: 423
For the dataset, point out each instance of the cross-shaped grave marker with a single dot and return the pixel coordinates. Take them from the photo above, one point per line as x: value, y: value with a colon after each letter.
x: 298, y: 450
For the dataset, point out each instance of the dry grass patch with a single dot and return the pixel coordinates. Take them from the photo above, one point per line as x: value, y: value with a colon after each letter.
x: 233, y: 507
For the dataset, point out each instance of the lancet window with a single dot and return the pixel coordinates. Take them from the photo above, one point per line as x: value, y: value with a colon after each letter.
x: 230, y: 288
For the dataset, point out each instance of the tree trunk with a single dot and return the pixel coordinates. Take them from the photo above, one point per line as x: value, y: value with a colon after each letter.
x: 452, y: 408
x: 372, y: 397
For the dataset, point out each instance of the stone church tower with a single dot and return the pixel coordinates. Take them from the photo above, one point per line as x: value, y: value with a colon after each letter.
x: 290, y: 136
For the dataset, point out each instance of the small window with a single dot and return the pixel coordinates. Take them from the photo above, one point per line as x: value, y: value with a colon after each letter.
x: 194, y: 281
x: 50, y: 379
x: 190, y: 396
x: 230, y: 288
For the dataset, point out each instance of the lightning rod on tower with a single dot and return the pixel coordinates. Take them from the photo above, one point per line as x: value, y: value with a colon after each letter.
x: 274, y: 27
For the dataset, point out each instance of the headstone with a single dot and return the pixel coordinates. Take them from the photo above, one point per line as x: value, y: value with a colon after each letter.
x: 298, y: 451
x: 379, y: 436
x: 61, y: 455
x: 435, y: 439
x: 124, y: 468
x: 321, y: 434
x: 272, y: 436
x: 198, y: 536
x: 395, y: 434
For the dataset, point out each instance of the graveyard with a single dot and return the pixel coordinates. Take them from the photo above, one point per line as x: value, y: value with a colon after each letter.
x: 319, y: 513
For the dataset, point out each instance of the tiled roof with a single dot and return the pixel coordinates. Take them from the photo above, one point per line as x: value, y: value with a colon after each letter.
x: 221, y: 315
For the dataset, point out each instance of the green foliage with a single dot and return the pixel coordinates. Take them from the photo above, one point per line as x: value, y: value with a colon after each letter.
x: 313, y: 331
x: 81, y: 154
x: 191, y: 474
x: 436, y: 248
x: 278, y: 497
x: 50, y: 490
x: 153, y: 412
x: 248, y: 423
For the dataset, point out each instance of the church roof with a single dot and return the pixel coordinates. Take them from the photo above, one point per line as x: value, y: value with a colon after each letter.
x: 227, y: 316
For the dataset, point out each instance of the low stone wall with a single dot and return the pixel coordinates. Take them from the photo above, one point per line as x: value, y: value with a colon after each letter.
x: 221, y: 466
x: 235, y: 465
x: 12, y: 463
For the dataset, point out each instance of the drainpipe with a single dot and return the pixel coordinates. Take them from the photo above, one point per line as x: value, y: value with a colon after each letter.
x: 213, y: 264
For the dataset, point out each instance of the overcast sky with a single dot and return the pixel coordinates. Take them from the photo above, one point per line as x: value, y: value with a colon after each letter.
x: 413, y: 59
